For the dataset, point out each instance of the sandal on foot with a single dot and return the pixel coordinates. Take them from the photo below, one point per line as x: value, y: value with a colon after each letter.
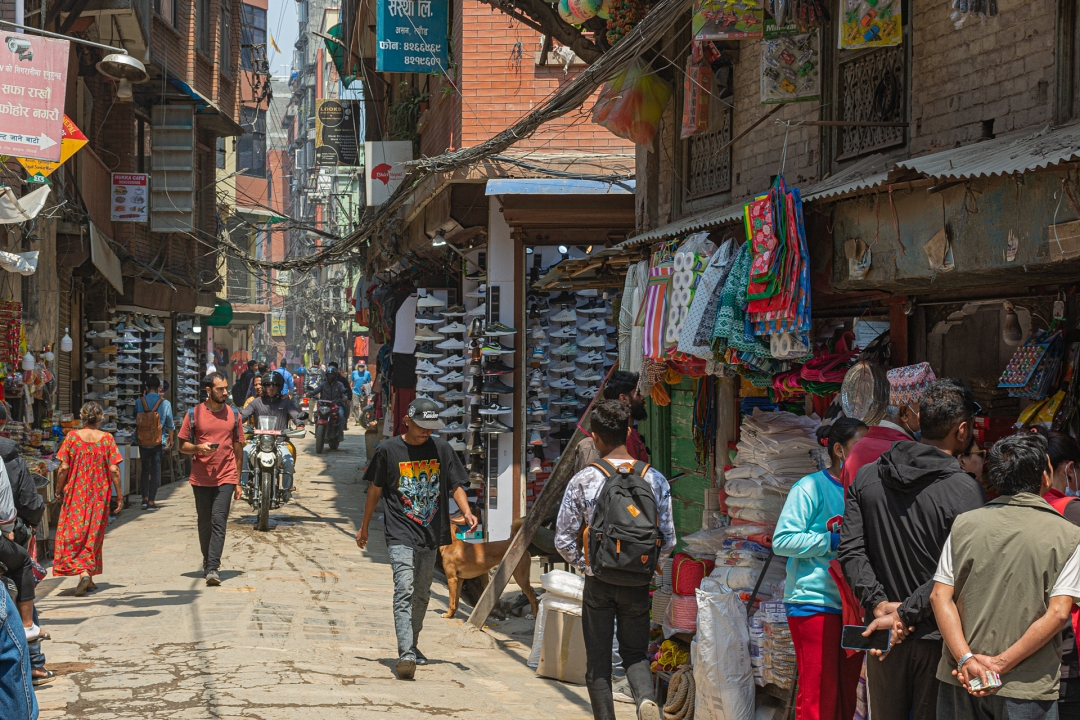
x: 84, y: 585
x: 48, y: 677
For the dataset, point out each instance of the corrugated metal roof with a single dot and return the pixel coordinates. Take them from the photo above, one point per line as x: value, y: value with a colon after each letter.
x: 555, y: 186
x: 1017, y: 152
x: 868, y: 173
x: 702, y: 221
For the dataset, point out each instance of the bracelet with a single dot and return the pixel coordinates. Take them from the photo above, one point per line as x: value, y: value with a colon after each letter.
x: 963, y: 659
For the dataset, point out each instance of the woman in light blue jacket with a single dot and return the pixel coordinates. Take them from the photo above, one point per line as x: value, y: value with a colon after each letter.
x: 807, y: 534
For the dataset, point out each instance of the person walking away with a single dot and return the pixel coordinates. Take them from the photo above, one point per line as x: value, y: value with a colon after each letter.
x: 415, y: 474
x: 1064, y: 454
x: 621, y: 386
x: 1006, y: 581
x: 242, y: 389
x: 155, y: 432
x: 88, y: 477
x: 211, y: 434
x: 615, y: 598
x: 257, y: 386
x: 889, y: 556
x: 807, y: 533
x: 271, y: 404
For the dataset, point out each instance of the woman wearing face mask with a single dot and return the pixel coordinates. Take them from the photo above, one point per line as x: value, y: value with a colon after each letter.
x: 807, y: 534
x: 1064, y: 454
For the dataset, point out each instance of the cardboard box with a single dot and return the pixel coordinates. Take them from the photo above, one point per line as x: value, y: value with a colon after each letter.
x: 562, y: 651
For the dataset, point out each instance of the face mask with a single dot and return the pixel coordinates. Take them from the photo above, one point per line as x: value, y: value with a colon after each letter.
x: 917, y: 435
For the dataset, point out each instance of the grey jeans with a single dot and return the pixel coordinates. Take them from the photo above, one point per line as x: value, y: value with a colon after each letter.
x: 955, y: 703
x: 412, y: 590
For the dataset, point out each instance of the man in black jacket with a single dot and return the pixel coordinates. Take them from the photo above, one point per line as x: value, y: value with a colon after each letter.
x: 897, y: 514
x: 29, y: 505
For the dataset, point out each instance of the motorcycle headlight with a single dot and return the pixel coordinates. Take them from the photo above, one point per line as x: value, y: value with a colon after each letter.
x: 266, y: 443
x: 267, y: 461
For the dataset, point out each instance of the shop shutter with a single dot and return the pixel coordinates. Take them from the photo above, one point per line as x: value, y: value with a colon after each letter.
x: 172, y: 182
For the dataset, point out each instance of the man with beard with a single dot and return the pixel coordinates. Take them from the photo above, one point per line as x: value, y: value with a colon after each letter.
x: 621, y: 386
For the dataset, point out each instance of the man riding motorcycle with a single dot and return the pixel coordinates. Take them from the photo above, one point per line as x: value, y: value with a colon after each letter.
x: 333, y: 389
x: 272, y: 404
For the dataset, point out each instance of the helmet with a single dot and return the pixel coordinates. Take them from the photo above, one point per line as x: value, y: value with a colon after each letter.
x: 273, y: 379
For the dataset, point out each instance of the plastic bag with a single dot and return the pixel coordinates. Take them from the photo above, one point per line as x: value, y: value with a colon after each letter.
x: 723, y: 675
x: 631, y: 104
x: 552, y: 602
x: 563, y: 584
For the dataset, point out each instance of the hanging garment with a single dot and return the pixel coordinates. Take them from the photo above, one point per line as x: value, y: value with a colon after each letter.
x: 637, y: 276
x: 729, y: 330
x: 702, y: 312
x: 654, y: 311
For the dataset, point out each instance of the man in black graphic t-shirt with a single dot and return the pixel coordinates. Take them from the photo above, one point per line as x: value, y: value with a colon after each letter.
x: 415, y: 475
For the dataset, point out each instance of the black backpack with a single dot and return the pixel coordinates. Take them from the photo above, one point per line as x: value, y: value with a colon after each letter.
x: 622, y: 544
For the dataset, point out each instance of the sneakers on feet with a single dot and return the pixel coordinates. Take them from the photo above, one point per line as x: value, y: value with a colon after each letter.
x: 648, y: 710
x: 620, y: 690
x: 420, y: 659
x: 212, y: 578
x: 406, y: 668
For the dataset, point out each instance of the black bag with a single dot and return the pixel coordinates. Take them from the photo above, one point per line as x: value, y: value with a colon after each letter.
x: 622, y: 545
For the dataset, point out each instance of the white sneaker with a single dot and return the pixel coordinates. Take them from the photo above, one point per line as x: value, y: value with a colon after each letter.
x: 128, y: 338
x: 534, y: 465
x: 564, y: 366
x: 567, y: 315
x: 427, y: 396
x: 563, y: 384
x: 534, y: 438
x: 589, y: 376
x: 430, y: 301
x: 452, y: 361
x: 111, y: 380
x: 454, y: 377
x: 451, y: 344
x: 569, y: 331
x: 90, y: 365
x: 591, y: 358
x: 159, y: 348
x: 425, y: 384
x: 480, y: 292
x: 106, y: 334
x: 453, y: 411
x: 538, y: 332
x: 424, y: 367
x: 107, y: 365
x: 424, y: 334
x: 111, y: 395
x: 453, y: 329
x: 454, y: 428
x: 456, y: 445
x: 478, y: 311
x: 593, y: 341
x: 594, y: 325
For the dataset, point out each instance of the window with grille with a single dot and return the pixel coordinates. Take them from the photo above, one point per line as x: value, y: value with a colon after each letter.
x: 253, y: 38
x: 872, y: 86
x: 167, y: 10
x: 706, y: 172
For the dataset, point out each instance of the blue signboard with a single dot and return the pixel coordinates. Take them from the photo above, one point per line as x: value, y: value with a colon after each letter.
x: 412, y: 36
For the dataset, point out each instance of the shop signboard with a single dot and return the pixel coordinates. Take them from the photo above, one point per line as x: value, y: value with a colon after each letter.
x: 277, y: 321
x: 130, y: 192
x: 385, y: 168
x: 70, y: 143
x: 723, y: 20
x: 338, y: 131
x: 790, y: 62
x: 33, y: 74
x: 412, y: 36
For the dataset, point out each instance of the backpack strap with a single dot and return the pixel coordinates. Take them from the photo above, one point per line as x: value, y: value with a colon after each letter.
x: 641, y: 467
x: 161, y: 399
x: 191, y: 423
x: 1061, y: 503
x: 605, y: 467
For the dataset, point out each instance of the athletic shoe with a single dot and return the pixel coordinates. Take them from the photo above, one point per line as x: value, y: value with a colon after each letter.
x: 497, y: 367
x: 127, y: 360
x: 538, y: 425
x: 109, y: 427
x: 129, y: 348
x: 157, y: 338
x: 424, y: 367
x: 107, y: 350
x: 494, y: 427
x: 456, y: 445
x: 132, y: 381
x: 107, y: 334
x: 478, y: 311
x: 534, y: 465
x: 111, y: 395
x: 497, y: 328
x: 538, y: 332
x: 494, y: 409
x: 455, y: 311
x: 90, y: 396
x: 567, y: 315
x: 453, y: 428
x: 594, y: 325
x: 587, y: 293
x: 429, y: 301
x: 427, y: 351
x: 451, y: 344
x: 536, y: 408
x: 429, y: 319
x: 496, y: 387
x: 424, y: 334
x: 589, y: 393
x: 452, y: 361
x: 454, y: 377
x: 155, y: 324
x: 479, y: 293
x: 455, y: 396
x: 128, y: 338
x: 562, y: 384
x: 534, y: 438
x: 493, y: 347
x: 592, y: 341
x: 564, y: 366
x: 538, y: 354
x: 589, y: 376
x: 535, y: 379
x: 454, y: 328
x: 476, y: 328
x: 594, y: 310
x: 426, y: 385
x: 453, y: 411
x: 565, y: 416
x: 91, y: 334
x: 159, y: 348
x: 427, y: 396
x: 566, y: 350
x: 590, y: 358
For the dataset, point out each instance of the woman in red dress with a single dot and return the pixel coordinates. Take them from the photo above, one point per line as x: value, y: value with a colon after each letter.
x: 88, y: 473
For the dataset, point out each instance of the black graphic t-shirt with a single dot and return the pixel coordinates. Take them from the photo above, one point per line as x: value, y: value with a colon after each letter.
x: 416, y: 482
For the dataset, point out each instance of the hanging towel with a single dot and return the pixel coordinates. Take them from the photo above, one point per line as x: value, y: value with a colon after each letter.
x: 654, y: 311
x: 695, y: 336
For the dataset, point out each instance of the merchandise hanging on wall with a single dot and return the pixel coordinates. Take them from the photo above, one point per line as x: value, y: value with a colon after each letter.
x: 725, y: 20
x: 870, y: 23
x: 789, y: 64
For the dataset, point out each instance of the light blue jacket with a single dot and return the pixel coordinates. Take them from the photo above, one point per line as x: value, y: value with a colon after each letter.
x: 807, y: 534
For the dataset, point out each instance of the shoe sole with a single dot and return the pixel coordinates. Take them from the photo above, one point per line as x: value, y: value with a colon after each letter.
x: 213, y: 582
x: 648, y: 710
x: 406, y: 669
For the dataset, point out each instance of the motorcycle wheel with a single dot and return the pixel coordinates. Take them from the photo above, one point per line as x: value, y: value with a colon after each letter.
x: 320, y: 438
x: 266, y: 498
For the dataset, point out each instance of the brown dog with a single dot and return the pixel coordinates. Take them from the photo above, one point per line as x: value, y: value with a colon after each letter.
x: 462, y: 561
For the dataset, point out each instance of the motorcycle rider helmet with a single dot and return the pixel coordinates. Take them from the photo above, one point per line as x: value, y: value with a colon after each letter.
x: 274, y: 379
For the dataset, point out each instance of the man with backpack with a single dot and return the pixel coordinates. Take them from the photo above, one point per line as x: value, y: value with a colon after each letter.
x: 211, y: 433
x: 615, y: 525
x: 155, y: 432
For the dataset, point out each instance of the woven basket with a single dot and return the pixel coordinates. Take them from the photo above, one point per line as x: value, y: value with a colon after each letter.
x: 660, y: 600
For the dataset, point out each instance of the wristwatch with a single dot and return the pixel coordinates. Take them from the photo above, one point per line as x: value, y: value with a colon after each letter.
x: 963, y: 659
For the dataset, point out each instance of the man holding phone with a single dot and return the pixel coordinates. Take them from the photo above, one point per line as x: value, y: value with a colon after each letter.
x: 211, y: 433
x: 1004, y: 588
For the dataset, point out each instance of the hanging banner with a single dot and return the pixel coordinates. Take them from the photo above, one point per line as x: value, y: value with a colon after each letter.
x: 33, y: 74
x: 277, y: 321
x: 723, y: 20
x: 870, y: 23
x: 412, y: 36
x: 338, y: 133
x: 71, y: 142
x: 789, y: 64
x: 129, y: 195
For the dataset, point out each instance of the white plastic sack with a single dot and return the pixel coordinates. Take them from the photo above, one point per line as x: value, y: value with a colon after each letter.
x: 735, y: 577
x: 563, y: 584
x: 547, y: 602
x: 755, y: 515
x: 723, y: 676
x: 24, y: 263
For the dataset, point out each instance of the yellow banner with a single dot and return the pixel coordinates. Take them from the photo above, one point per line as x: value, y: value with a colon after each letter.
x: 71, y: 142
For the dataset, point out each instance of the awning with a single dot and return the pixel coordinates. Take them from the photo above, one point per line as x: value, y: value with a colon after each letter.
x: 702, y: 221
x: 556, y: 186
x: 105, y: 259
x: 222, y: 315
x: 1016, y: 153
x: 21, y: 209
x: 205, y: 109
x: 866, y: 174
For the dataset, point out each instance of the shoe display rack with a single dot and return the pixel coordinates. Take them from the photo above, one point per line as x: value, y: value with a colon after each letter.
x: 186, y: 345
x: 571, y: 344
x: 101, y: 365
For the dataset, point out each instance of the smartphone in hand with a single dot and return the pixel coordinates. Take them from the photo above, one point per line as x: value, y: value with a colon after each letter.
x: 215, y: 446
x: 852, y: 638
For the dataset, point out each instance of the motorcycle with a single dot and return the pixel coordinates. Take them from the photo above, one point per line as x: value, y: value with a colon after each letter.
x: 264, y: 491
x: 328, y: 425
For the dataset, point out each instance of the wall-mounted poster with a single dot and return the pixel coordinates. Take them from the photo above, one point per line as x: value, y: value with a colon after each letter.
x: 724, y: 20
x: 129, y: 197
x: 870, y: 23
x: 789, y: 64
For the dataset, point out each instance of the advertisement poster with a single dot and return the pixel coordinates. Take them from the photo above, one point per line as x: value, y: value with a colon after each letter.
x: 870, y: 23
x: 385, y: 168
x: 277, y: 321
x: 338, y: 133
x: 71, y: 142
x: 412, y: 36
x: 720, y: 20
x: 129, y: 197
x: 790, y: 62
x: 33, y: 73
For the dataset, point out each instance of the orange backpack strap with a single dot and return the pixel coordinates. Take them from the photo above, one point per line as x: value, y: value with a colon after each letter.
x: 605, y: 467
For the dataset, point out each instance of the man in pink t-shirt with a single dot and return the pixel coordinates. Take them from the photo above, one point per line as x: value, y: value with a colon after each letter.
x: 216, y: 443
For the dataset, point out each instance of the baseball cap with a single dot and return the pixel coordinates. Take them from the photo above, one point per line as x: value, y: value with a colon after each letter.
x: 425, y: 413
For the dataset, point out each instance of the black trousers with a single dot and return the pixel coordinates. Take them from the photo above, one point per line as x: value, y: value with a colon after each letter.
x: 19, y: 569
x: 150, y: 472
x: 1069, y: 699
x: 602, y: 605
x: 212, y: 506
x: 904, y: 685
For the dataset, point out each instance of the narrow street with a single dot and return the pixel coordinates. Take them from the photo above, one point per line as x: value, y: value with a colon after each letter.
x: 301, y: 622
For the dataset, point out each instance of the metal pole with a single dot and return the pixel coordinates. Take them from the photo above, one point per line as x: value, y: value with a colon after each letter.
x: 46, y: 33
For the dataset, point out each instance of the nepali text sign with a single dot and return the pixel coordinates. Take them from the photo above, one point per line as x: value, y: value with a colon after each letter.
x: 130, y: 192
x: 411, y: 35
x: 337, y: 133
x: 71, y: 142
x: 33, y: 72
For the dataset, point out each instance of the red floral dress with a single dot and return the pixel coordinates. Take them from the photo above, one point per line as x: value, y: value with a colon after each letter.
x: 80, y: 531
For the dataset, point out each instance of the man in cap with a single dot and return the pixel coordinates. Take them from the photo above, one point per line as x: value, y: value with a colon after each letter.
x: 416, y: 475
x: 897, y: 516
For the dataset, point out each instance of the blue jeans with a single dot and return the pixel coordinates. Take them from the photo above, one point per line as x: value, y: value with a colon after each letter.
x: 287, y: 465
x: 150, y: 472
x: 412, y: 590
x: 17, y: 699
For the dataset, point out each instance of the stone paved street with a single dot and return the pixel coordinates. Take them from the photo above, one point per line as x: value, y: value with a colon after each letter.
x: 301, y: 626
